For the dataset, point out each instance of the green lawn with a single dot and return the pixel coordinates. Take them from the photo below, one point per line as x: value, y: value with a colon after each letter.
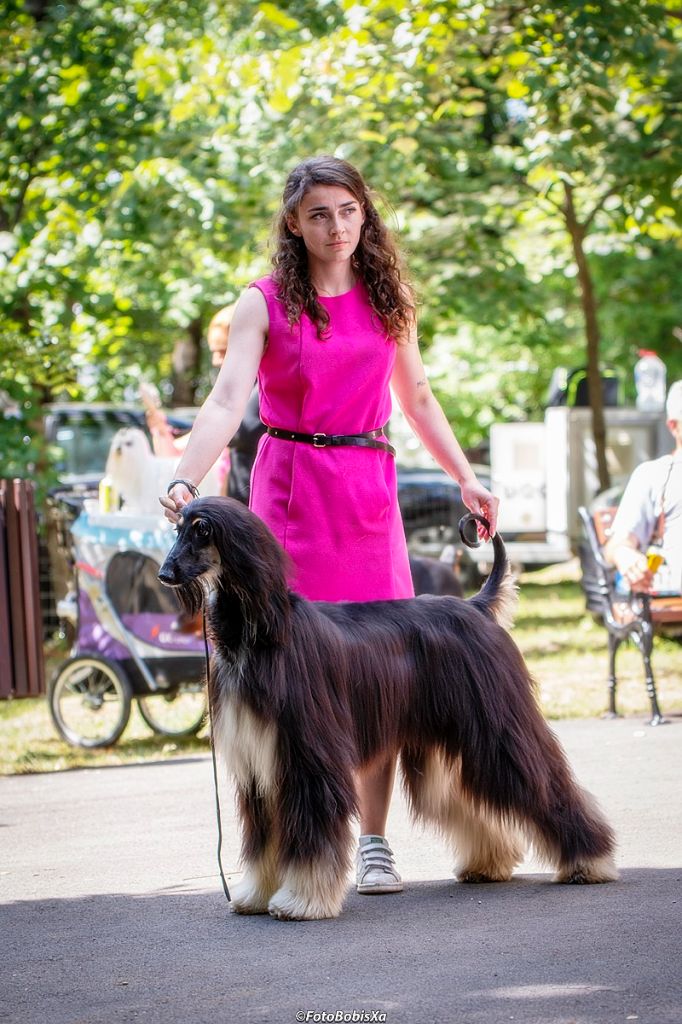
x: 567, y: 653
x: 564, y: 647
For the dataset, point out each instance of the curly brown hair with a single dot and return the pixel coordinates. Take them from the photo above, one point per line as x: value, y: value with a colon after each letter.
x: 376, y: 261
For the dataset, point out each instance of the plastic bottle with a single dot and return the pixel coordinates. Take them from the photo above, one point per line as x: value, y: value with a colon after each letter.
x: 655, y: 558
x: 108, y: 498
x: 650, y: 381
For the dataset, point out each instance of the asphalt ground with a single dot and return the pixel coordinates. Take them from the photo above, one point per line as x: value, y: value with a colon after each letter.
x: 111, y: 910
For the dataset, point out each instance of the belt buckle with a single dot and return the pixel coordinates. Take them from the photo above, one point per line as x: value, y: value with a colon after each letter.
x: 319, y: 440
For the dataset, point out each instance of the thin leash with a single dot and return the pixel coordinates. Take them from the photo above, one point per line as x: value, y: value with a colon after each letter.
x: 213, y: 757
x: 195, y: 494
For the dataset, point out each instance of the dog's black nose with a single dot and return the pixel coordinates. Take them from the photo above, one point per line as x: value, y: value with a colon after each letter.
x: 166, y: 575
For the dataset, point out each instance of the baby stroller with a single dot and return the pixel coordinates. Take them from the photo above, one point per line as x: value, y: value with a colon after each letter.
x: 130, y: 637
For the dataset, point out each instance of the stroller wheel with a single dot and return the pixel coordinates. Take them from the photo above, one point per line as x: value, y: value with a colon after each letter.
x: 178, y: 712
x: 89, y: 701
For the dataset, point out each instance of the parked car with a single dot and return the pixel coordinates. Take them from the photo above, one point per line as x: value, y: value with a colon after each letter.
x: 431, y: 506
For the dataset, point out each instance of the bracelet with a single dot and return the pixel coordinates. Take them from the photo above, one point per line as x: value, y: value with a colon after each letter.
x: 193, y: 490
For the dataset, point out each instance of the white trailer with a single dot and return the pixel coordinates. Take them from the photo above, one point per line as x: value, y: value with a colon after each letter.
x: 543, y: 472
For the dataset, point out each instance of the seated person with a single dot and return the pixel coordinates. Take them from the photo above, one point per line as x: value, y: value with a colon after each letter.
x: 650, y: 514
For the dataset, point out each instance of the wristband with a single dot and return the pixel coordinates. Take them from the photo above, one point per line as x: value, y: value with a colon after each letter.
x: 193, y: 490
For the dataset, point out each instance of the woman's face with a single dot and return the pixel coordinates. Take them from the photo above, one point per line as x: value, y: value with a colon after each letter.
x: 329, y: 220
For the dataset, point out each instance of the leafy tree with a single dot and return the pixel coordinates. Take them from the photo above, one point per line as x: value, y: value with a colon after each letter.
x: 530, y: 153
x: 108, y: 199
x: 74, y: 123
x: 524, y: 146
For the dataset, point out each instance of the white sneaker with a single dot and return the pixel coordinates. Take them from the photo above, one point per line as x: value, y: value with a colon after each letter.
x: 376, y: 867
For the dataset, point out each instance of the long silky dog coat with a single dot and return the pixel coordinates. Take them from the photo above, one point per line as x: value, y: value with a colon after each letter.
x: 304, y: 693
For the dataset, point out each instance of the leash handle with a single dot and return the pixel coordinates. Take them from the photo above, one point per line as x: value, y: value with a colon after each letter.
x: 192, y: 488
x: 468, y: 530
x: 215, y: 766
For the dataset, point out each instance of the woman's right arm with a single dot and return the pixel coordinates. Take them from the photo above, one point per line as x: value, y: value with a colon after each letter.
x: 222, y: 412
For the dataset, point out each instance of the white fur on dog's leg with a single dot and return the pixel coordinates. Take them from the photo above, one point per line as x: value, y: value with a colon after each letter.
x: 309, y: 893
x: 252, y: 893
x: 488, y: 850
x: 247, y: 896
x: 589, y: 872
x: 485, y: 848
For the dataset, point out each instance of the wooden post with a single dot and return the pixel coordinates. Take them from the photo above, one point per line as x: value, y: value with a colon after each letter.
x: 22, y: 667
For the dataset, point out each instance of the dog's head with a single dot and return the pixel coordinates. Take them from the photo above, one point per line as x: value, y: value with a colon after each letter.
x: 222, y: 545
x: 192, y: 566
x: 129, y: 447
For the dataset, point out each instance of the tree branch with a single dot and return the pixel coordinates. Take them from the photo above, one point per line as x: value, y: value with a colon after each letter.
x: 597, y: 207
x: 19, y: 209
x: 541, y: 195
x: 11, y: 222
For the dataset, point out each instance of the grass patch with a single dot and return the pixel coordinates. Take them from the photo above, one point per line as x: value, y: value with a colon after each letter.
x: 565, y: 650
x: 30, y: 742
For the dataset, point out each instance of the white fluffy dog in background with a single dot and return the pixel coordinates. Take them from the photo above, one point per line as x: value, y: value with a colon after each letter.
x: 139, y: 477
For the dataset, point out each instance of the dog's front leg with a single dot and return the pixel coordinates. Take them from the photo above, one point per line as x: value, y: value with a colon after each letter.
x: 312, y: 889
x: 314, y: 812
x: 252, y: 893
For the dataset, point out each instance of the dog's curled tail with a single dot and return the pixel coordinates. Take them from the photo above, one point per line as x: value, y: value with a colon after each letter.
x: 498, y: 596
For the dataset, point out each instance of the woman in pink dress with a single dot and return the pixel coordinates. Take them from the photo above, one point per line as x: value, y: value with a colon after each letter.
x: 326, y: 334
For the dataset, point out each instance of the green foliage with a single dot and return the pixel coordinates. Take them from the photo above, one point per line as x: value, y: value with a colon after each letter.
x: 146, y: 145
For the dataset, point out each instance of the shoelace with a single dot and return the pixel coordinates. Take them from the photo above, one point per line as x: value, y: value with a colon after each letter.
x: 377, y: 855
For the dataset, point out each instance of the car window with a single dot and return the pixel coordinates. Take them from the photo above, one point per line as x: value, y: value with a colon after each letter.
x: 85, y: 438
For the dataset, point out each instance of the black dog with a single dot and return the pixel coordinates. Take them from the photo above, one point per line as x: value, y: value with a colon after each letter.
x: 304, y: 693
x: 430, y: 576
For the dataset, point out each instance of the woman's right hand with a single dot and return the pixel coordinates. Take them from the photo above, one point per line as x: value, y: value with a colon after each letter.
x: 174, y: 502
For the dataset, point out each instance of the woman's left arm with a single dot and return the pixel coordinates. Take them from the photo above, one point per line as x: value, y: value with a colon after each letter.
x: 427, y: 419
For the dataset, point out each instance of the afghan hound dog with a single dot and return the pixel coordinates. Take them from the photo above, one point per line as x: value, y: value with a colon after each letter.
x: 304, y: 693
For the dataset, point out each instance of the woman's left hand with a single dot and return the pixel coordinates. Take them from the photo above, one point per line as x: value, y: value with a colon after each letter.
x: 479, y: 500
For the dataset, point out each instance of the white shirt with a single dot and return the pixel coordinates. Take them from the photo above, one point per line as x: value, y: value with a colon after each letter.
x: 640, y: 508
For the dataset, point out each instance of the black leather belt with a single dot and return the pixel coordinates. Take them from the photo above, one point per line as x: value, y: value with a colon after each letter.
x: 366, y: 440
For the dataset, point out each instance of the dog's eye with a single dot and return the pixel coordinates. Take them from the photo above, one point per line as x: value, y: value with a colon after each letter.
x: 202, y: 528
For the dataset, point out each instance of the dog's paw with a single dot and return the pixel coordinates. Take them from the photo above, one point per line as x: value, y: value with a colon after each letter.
x: 593, y: 872
x: 286, y: 905
x: 474, y: 877
x: 246, y: 898
x: 238, y: 907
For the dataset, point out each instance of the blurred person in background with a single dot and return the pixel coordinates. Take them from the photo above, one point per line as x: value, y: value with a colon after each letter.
x: 234, y: 464
x: 649, y: 517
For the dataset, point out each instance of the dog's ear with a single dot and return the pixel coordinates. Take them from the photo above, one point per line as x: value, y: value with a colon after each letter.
x: 278, y: 620
x: 265, y: 600
x: 254, y: 568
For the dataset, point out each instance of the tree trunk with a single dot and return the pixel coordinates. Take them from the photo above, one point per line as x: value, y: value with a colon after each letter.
x: 589, y: 305
x: 185, y: 360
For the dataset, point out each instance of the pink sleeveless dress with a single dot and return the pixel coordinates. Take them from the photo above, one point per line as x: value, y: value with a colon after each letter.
x: 334, y: 510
